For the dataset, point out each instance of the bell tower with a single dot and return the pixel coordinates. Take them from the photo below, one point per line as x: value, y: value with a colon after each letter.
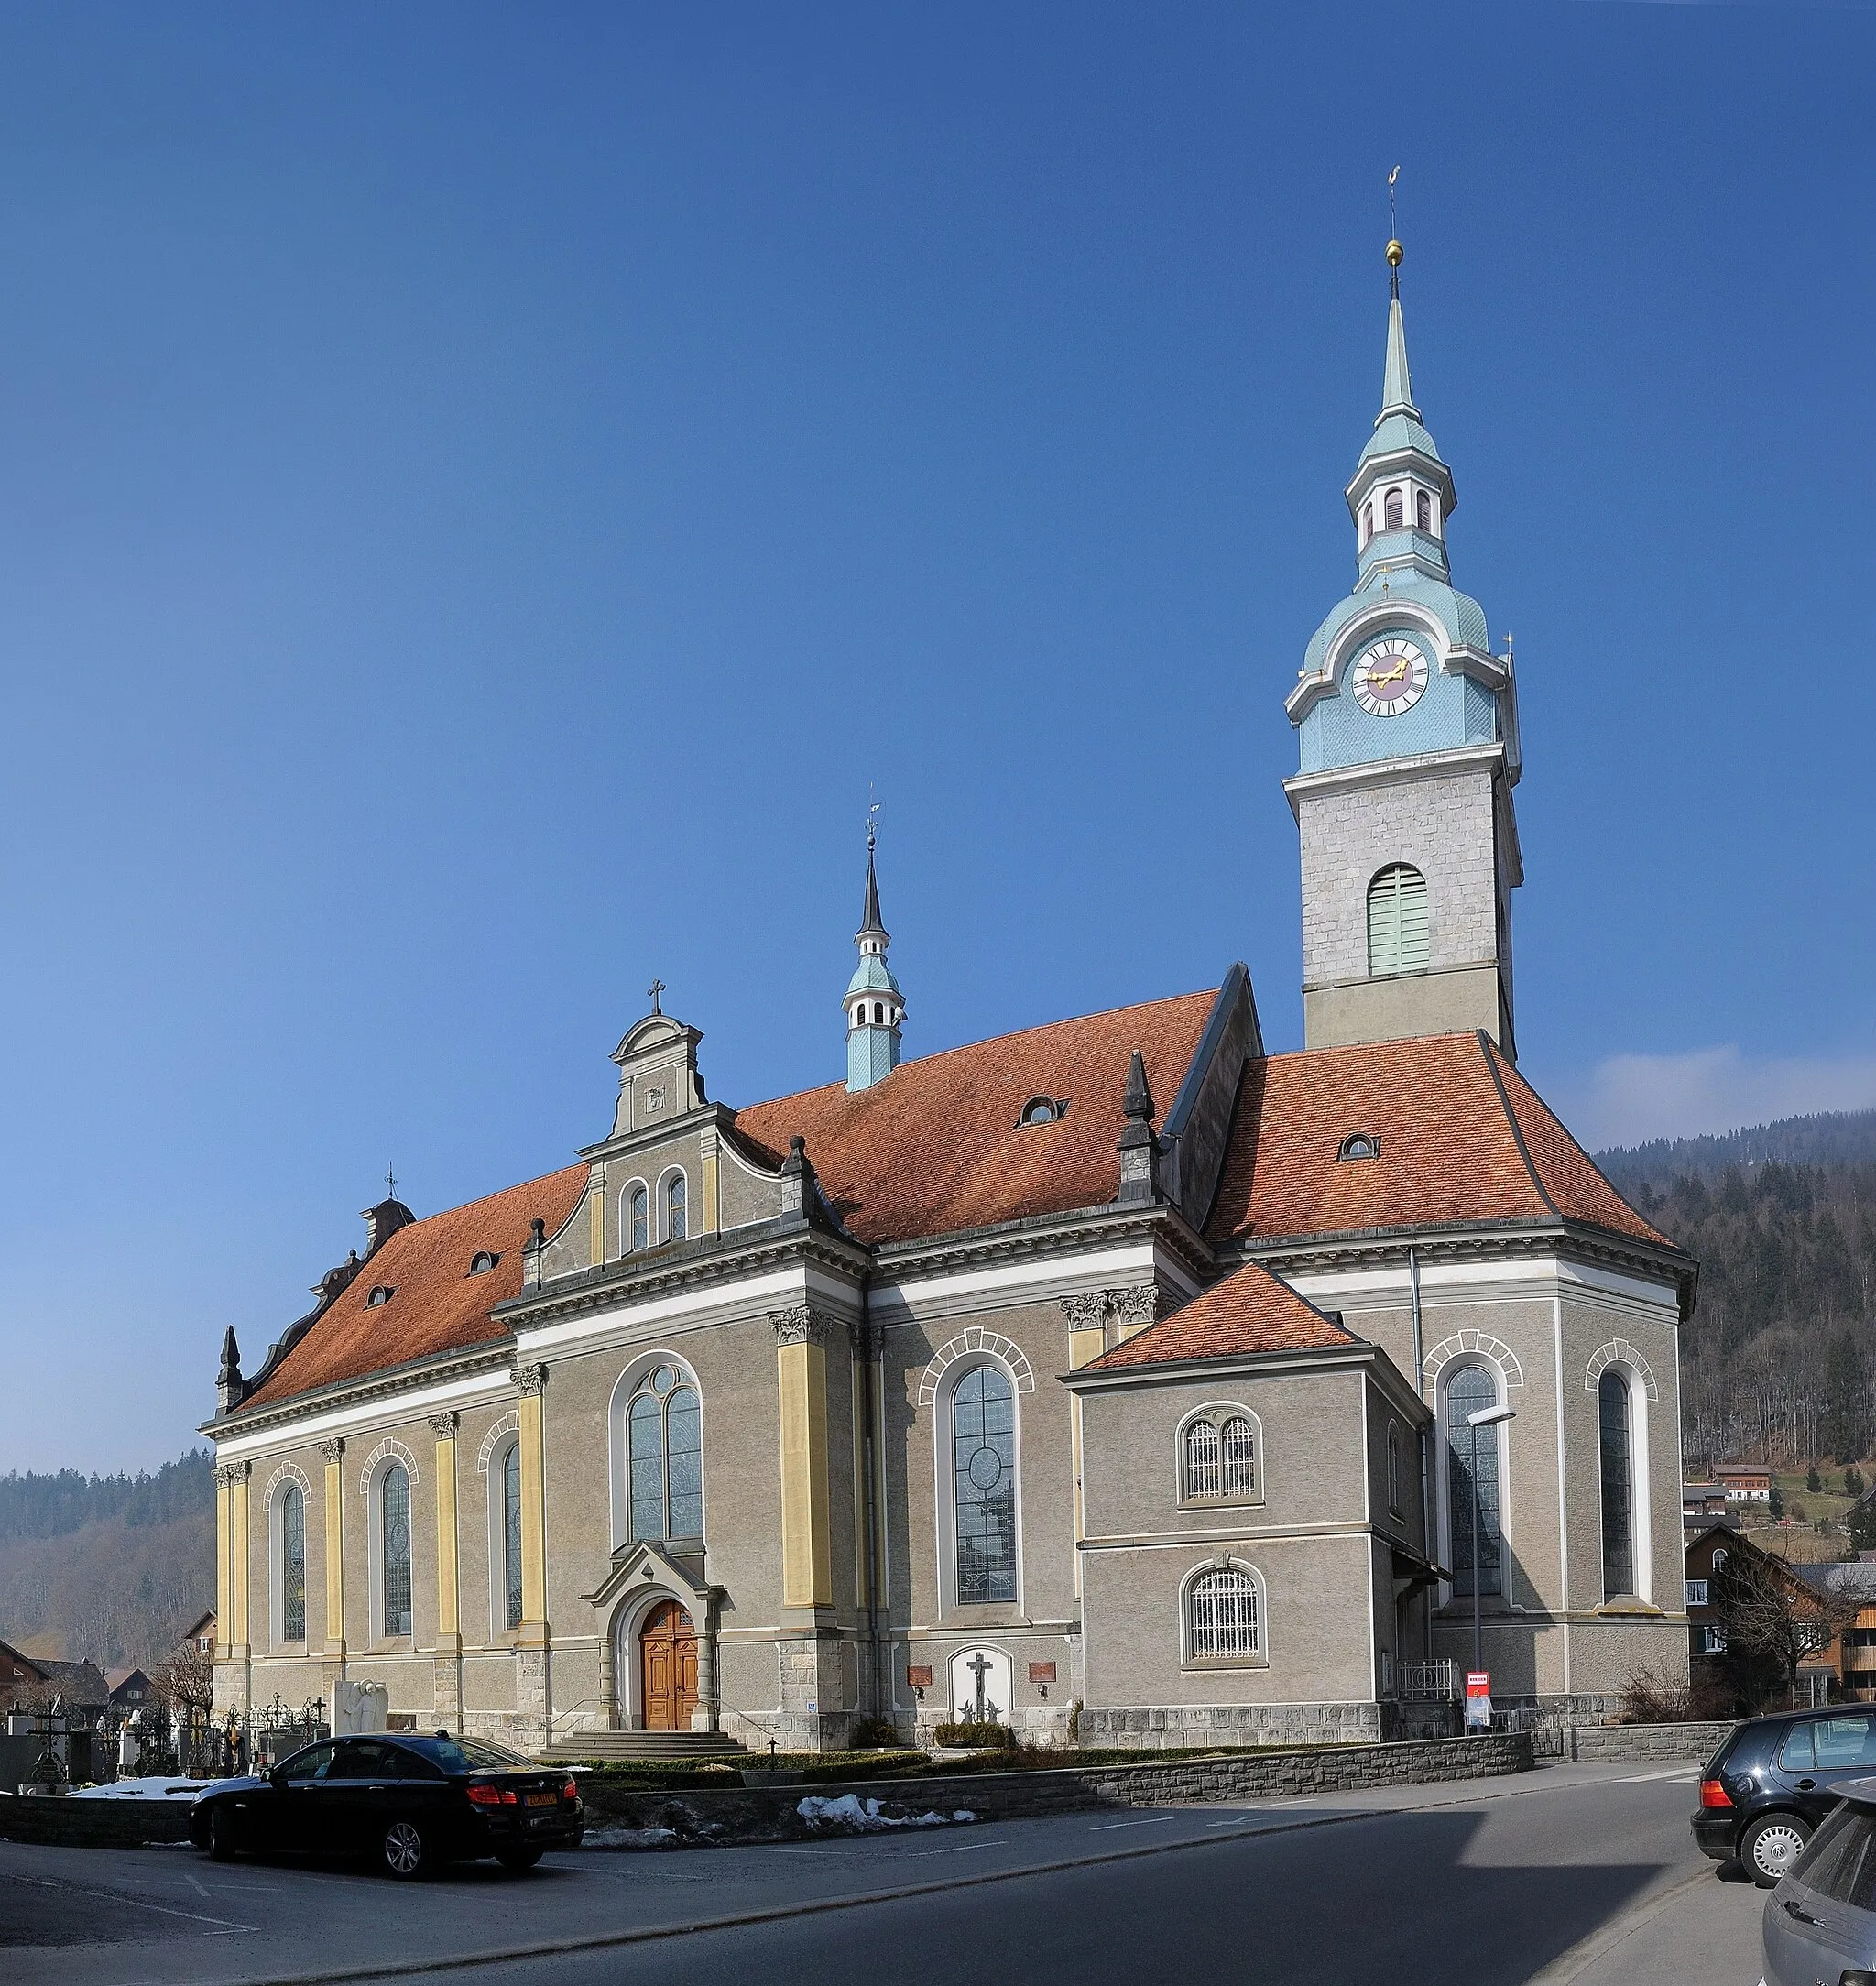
x: 875, y: 1006
x: 1407, y: 738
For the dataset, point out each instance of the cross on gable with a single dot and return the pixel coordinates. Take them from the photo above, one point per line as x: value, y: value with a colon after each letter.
x: 655, y: 988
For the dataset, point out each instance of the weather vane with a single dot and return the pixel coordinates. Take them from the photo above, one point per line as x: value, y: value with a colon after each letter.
x: 1394, y: 249
x: 391, y: 1181
x: 872, y: 816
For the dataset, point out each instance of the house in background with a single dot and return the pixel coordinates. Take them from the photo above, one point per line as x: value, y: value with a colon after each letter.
x: 22, y: 1680
x: 1745, y: 1482
x: 1703, y: 1499
x: 1852, y: 1656
x: 1707, y: 1548
x: 131, y: 1689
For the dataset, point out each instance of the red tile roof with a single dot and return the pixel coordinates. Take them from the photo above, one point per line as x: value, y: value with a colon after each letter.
x: 1249, y: 1311
x: 437, y: 1306
x: 935, y: 1148
x: 1463, y: 1139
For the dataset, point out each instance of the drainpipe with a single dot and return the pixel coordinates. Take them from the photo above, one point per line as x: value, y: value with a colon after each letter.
x: 869, y: 1451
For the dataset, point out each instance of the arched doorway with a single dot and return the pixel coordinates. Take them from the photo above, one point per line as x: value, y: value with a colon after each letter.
x: 668, y: 1667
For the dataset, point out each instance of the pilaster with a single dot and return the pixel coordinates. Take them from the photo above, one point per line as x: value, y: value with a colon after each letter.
x: 814, y: 1713
x: 533, y: 1697
x: 447, y: 1687
x: 333, y: 1453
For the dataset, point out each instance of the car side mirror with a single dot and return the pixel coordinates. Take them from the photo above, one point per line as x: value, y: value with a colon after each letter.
x: 276, y: 1778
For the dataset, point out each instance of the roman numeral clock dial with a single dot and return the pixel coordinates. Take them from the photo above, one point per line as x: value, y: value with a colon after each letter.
x: 1389, y: 676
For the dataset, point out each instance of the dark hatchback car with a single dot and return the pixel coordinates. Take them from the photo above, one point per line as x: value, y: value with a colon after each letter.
x: 1768, y: 1788
x: 411, y: 1804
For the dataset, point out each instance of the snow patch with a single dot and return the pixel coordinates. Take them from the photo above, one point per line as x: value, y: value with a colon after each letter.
x: 159, y: 1787
x: 855, y: 1816
x: 631, y: 1837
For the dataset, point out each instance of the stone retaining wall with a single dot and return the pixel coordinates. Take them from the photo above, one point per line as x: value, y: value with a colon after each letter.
x: 1695, y: 1742
x: 60, y: 1821
x: 769, y: 1813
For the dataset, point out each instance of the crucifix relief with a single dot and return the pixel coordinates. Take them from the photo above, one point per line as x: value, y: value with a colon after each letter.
x: 977, y: 1683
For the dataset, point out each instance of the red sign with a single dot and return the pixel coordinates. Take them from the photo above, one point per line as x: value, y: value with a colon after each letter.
x: 1478, y: 1682
x: 919, y: 1678
x: 1042, y: 1672
x: 1477, y: 1700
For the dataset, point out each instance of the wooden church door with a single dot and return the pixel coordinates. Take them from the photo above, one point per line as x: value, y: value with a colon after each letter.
x: 668, y: 1667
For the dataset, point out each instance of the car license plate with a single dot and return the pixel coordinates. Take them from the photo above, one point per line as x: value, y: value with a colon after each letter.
x: 543, y: 1799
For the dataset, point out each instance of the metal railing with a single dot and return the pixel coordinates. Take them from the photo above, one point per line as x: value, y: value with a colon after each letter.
x: 1426, y: 1682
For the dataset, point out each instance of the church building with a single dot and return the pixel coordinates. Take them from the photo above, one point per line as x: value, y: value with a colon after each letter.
x: 1116, y: 1377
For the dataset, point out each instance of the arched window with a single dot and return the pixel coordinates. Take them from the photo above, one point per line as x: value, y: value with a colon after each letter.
x: 1471, y: 1393
x: 675, y: 1229
x: 1423, y: 510
x: 1394, y: 512
x: 1202, y: 1473
x: 394, y: 1549
x: 1618, y: 1478
x: 664, y: 1448
x: 1241, y: 1456
x: 1222, y: 1615
x: 1367, y: 522
x: 1397, y: 928
x: 293, y: 1563
x: 637, y: 1218
x: 983, y: 1456
x: 511, y: 1535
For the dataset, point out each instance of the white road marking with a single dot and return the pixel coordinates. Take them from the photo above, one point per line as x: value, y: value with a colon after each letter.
x: 1673, y: 1771
x: 968, y: 1848
x: 196, y: 1887
x: 1107, y: 1827
x: 135, y: 1903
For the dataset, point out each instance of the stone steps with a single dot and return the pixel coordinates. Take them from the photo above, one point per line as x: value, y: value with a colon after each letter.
x: 624, y: 1745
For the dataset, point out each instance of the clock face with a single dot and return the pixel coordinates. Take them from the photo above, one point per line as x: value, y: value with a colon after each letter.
x: 1389, y: 676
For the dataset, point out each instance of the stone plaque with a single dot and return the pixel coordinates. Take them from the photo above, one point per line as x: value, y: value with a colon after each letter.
x: 1042, y: 1672
x: 918, y: 1676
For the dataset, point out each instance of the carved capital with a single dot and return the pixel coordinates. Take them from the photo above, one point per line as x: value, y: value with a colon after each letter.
x: 866, y: 1337
x: 801, y: 1324
x: 1136, y: 1305
x: 530, y: 1378
x: 334, y: 1449
x: 443, y: 1425
x: 234, y: 1472
x: 1087, y: 1311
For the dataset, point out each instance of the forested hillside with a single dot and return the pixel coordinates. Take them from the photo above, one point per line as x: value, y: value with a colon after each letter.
x: 107, y: 1568
x: 1781, y: 1219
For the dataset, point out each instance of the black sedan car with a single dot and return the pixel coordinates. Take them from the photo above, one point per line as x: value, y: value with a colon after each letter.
x: 1769, y: 1787
x: 411, y: 1802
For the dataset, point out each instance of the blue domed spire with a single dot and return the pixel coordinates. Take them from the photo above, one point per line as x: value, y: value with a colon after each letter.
x: 875, y: 1007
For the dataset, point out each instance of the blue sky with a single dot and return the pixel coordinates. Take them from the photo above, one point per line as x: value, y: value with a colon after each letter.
x: 485, y: 491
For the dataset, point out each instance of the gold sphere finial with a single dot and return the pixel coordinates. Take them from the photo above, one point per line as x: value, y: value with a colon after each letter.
x: 1395, y: 251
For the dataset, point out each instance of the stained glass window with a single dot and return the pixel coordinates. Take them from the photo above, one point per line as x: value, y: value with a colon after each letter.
x: 983, y: 1441
x: 394, y: 1514
x: 511, y: 1535
x: 675, y: 1229
x: 664, y: 1439
x: 1618, y: 1517
x: 639, y: 1217
x: 1471, y: 1393
x: 292, y: 1565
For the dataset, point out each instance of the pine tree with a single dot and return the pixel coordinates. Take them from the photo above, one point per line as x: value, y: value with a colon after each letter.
x: 1814, y: 1482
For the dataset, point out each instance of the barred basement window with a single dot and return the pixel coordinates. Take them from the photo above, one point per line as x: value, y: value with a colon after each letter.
x: 1222, y: 1615
x: 1398, y: 938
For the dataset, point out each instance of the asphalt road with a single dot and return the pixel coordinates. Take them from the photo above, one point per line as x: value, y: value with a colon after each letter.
x: 1584, y: 1874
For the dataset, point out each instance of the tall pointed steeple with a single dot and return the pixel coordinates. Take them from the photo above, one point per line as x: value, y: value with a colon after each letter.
x: 1407, y: 733
x: 874, y: 1008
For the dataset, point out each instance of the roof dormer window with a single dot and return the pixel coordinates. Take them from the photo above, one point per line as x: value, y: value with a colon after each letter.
x: 381, y: 1292
x: 482, y: 1262
x: 1043, y: 1110
x: 1361, y: 1145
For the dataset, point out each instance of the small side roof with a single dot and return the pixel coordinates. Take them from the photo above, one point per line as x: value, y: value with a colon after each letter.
x: 1249, y: 1311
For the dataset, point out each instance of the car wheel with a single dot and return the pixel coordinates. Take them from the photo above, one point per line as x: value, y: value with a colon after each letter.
x: 518, y: 1858
x: 1770, y: 1846
x: 406, y: 1852
x: 221, y: 1836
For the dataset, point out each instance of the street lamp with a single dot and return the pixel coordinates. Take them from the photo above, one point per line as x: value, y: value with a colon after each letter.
x: 1485, y: 1417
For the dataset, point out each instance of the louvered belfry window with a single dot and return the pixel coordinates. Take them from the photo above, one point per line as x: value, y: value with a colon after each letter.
x: 1397, y: 931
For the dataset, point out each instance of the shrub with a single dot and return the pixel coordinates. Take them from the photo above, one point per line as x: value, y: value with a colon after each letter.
x: 1659, y: 1696
x: 1853, y: 1484
x: 871, y: 1733
x: 983, y: 1736
x: 1814, y: 1482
